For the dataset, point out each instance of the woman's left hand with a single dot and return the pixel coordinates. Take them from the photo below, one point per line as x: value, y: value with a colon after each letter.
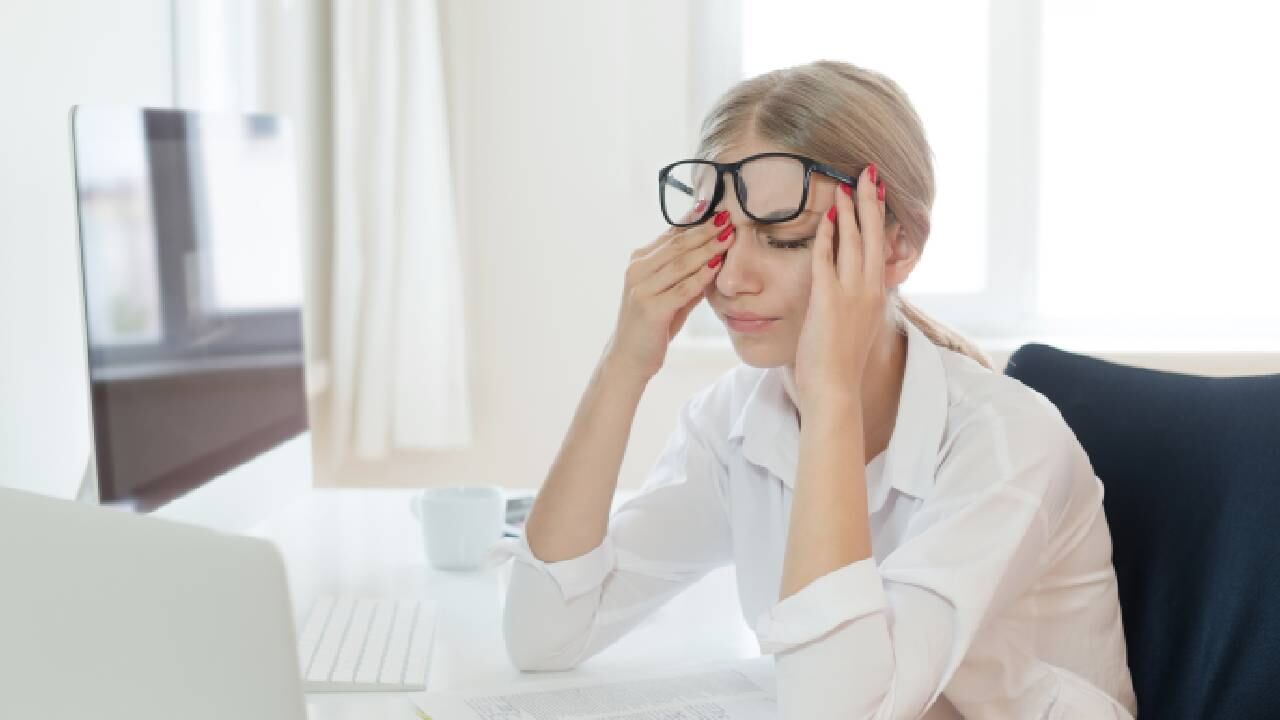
x: 846, y: 299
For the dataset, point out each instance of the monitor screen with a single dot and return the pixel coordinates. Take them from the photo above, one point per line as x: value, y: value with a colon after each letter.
x: 192, y: 282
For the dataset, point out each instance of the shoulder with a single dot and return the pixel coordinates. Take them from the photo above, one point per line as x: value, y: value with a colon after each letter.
x: 703, y: 426
x: 715, y: 410
x: 718, y: 404
x: 1002, y: 432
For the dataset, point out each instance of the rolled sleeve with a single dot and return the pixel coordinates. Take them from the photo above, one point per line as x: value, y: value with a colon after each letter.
x: 883, y: 640
x: 671, y: 533
x: 848, y: 593
x: 574, y: 577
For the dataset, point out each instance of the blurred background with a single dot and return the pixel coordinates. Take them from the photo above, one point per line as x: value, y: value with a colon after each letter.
x: 474, y: 174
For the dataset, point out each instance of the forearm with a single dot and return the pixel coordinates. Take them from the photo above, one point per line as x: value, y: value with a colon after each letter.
x: 828, y: 528
x: 571, y: 513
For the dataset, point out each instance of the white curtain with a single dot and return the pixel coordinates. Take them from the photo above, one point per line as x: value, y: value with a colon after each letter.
x: 397, y: 334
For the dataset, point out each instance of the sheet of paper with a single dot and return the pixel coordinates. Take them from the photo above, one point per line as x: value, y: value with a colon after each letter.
x: 738, y: 691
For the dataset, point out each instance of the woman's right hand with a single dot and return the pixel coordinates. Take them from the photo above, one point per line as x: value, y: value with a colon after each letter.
x: 664, y: 282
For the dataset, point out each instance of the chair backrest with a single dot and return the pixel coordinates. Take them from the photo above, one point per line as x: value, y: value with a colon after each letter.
x: 1191, y: 471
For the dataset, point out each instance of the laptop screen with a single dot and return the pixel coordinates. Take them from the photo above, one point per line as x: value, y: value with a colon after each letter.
x: 192, y: 283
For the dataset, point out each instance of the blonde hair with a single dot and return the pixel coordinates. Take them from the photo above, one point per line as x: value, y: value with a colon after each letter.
x: 847, y: 117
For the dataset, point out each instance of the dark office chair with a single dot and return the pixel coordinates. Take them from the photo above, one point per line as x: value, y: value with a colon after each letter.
x: 1191, y: 469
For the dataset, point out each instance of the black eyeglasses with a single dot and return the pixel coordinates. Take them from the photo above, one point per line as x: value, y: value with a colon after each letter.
x: 771, y: 187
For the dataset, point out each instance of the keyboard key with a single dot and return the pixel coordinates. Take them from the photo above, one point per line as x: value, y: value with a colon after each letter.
x: 415, y: 670
x: 309, y: 639
x: 398, y: 650
x: 344, y: 671
x: 334, y: 632
x: 366, y: 644
x: 375, y: 648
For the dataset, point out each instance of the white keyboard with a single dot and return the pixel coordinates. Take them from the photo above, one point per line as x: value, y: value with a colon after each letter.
x: 356, y: 644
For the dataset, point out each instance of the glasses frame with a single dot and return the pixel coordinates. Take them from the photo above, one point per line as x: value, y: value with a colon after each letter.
x: 810, y: 165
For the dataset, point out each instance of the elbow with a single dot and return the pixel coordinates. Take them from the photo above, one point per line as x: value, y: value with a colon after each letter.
x: 536, y: 640
x: 531, y: 649
x: 525, y: 657
x: 526, y: 661
x: 807, y: 686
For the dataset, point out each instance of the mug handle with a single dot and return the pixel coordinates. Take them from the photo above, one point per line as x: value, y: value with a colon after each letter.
x: 415, y: 504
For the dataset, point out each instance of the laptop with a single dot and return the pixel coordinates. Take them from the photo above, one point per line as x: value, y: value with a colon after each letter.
x: 110, y: 615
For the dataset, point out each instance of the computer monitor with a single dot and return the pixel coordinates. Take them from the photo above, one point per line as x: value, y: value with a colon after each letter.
x: 191, y: 272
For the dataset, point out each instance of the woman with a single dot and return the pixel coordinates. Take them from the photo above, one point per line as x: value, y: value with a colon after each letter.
x: 964, y: 571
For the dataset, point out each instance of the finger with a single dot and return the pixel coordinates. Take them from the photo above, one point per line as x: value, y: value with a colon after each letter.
x: 682, y: 314
x: 682, y: 257
x: 670, y: 232
x: 822, y: 256
x: 685, y: 239
x: 849, y: 264
x: 688, y: 263
x: 694, y: 211
x: 876, y: 240
x: 688, y: 291
x: 871, y: 247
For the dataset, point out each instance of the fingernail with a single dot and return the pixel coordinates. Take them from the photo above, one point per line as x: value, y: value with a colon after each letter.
x: 831, y: 214
x: 871, y: 172
x: 722, y: 217
x: 725, y: 233
x: 714, y: 261
x: 880, y: 191
x: 847, y: 188
x: 702, y: 205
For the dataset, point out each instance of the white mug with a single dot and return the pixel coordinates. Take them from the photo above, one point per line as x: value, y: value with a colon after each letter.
x: 459, y: 524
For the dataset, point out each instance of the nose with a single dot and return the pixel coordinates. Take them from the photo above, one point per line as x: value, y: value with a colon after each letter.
x: 739, y: 273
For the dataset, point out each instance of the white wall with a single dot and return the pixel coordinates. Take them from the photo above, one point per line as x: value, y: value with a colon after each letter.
x: 562, y: 112
x: 586, y: 85
x: 559, y: 104
x: 53, y: 54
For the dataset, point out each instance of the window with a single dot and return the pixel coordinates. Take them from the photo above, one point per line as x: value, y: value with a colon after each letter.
x: 1067, y: 138
x: 1158, y: 170
x: 240, y: 273
x: 778, y: 35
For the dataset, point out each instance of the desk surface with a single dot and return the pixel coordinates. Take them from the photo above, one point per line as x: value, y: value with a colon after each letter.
x: 367, y: 542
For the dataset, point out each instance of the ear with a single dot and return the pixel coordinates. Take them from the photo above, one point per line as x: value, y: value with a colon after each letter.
x: 900, y: 256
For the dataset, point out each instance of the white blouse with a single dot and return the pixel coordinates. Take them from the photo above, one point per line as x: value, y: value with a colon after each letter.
x: 990, y: 593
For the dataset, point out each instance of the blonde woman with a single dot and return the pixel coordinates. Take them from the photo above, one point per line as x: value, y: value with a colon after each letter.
x: 914, y: 533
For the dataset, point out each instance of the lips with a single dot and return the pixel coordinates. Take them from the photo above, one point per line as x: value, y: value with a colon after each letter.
x: 747, y: 322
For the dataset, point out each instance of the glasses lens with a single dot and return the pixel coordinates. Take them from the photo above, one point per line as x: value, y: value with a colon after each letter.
x: 771, y: 188
x: 686, y: 190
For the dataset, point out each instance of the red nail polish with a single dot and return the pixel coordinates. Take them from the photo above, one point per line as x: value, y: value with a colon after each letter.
x: 702, y: 205
x: 871, y: 172
x: 847, y: 188
x: 831, y: 214
x: 722, y: 217
x: 725, y: 233
x: 880, y: 191
x: 714, y: 261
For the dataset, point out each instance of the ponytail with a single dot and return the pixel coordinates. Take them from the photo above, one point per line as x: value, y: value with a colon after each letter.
x: 941, y: 335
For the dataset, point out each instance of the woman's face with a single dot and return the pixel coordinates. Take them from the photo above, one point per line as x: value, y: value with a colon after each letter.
x: 767, y: 271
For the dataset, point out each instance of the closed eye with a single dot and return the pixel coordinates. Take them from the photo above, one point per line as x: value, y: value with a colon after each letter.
x: 787, y: 244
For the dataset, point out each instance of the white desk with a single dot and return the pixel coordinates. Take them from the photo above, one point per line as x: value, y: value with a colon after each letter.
x: 367, y: 542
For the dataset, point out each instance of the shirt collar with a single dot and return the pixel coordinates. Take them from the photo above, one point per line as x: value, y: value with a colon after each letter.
x: 770, y: 431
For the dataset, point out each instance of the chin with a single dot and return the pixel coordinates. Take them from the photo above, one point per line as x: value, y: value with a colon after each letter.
x: 761, y: 356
